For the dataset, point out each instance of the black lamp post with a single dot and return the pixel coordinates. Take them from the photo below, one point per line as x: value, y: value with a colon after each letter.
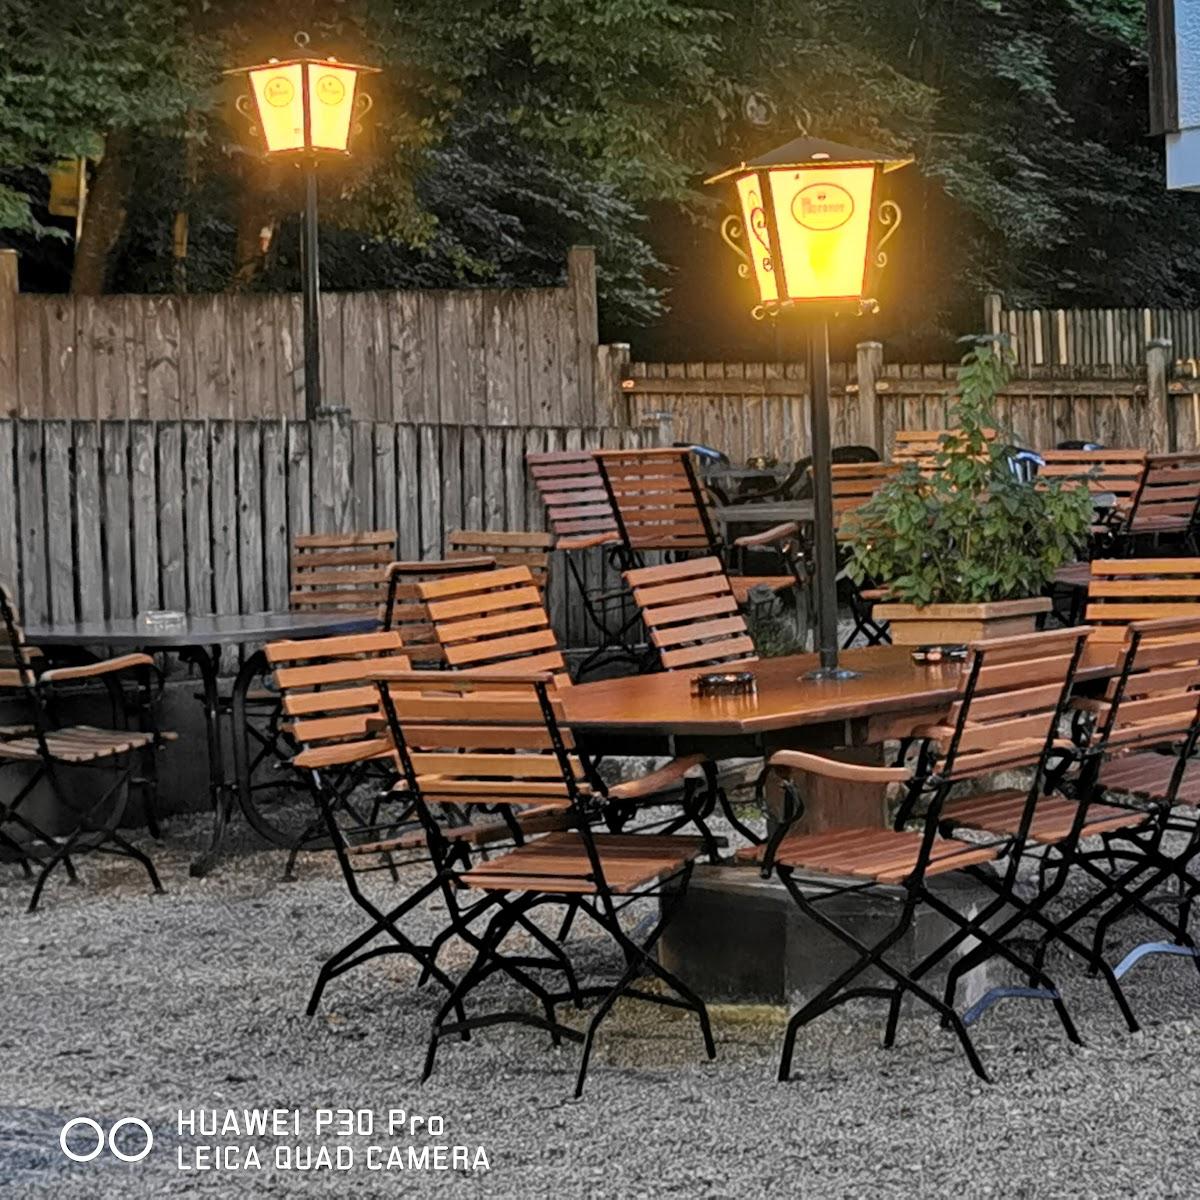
x: 306, y: 109
x: 811, y: 245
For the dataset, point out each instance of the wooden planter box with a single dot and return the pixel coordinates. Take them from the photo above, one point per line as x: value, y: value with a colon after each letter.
x: 952, y: 623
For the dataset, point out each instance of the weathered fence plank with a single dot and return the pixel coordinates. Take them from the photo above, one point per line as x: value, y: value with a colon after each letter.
x: 172, y: 570
x: 59, y: 549
x: 118, y: 517
x: 449, y: 357
x: 89, y: 520
x: 118, y: 564
x: 144, y: 501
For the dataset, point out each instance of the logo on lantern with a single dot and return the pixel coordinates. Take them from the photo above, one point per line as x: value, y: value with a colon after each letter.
x: 279, y: 91
x: 822, y: 207
x: 330, y: 89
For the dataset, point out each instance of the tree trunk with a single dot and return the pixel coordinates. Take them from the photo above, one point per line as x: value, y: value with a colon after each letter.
x: 104, y: 217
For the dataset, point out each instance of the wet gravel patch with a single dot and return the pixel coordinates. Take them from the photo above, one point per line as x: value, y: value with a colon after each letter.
x: 116, y: 1002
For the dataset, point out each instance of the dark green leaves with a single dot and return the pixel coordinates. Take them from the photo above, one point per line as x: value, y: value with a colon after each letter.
x: 970, y: 532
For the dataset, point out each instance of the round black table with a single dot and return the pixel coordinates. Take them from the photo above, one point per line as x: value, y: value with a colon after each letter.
x: 198, y: 640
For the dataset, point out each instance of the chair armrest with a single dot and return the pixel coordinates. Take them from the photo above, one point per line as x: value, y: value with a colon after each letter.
x: 656, y: 781
x: 586, y: 541
x: 832, y: 768
x: 777, y: 533
x: 108, y: 666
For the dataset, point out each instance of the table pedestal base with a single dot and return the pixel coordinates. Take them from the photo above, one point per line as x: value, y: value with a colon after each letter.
x: 739, y: 938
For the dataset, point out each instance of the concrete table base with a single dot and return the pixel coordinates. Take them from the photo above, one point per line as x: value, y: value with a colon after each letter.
x: 739, y: 938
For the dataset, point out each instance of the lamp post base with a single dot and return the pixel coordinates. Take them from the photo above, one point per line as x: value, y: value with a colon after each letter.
x: 831, y: 675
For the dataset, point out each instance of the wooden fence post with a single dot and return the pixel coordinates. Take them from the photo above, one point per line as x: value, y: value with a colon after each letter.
x: 993, y: 308
x: 1158, y: 398
x: 10, y: 402
x: 581, y: 283
x: 612, y: 404
x: 870, y: 417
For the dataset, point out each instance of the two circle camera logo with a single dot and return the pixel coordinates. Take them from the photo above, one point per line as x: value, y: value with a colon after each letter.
x: 79, y: 1148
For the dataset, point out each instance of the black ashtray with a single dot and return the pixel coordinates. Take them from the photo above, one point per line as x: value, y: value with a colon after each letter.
x: 931, y: 656
x: 725, y: 683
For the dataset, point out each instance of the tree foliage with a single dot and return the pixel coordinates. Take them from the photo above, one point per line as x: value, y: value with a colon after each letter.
x: 503, y: 132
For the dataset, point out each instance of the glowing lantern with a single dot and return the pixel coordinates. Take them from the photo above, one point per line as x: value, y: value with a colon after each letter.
x: 306, y: 108
x: 807, y: 219
x: 304, y: 105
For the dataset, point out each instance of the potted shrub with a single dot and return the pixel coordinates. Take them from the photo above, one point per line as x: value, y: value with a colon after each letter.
x: 966, y: 549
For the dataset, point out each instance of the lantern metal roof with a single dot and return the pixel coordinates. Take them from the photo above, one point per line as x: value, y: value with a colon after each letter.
x: 300, y: 60
x: 814, y: 152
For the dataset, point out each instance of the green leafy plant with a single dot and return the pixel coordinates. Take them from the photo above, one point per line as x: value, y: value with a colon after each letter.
x: 968, y: 531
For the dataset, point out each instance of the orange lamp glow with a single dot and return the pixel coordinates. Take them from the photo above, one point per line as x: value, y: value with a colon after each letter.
x: 305, y: 105
x: 807, y: 225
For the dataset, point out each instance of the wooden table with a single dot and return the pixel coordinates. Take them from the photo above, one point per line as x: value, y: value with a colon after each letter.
x: 892, y: 696
x: 769, y: 512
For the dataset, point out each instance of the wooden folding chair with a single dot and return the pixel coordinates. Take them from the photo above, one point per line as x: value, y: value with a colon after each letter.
x: 43, y: 748
x: 1005, y: 717
x: 1143, y: 733
x: 694, y: 623
x: 496, y: 623
x: 343, y: 574
x: 1152, y: 700
x: 471, y: 739
x: 853, y: 484
x: 660, y: 507
x: 580, y: 514
x: 348, y: 764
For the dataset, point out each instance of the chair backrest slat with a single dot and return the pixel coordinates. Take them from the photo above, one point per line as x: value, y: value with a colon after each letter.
x: 506, y: 549
x: 1124, y: 590
x: 572, y: 489
x: 1170, y: 496
x: 342, y: 571
x: 1155, y: 696
x: 657, y: 499
x: 328, y: 698
x: 1120, y: 472
x: 1012, y: 694
x: 472, y: 741
x: 921, y: 445
x: 495, y: 621
x: 691, y: 615
x: 407, y: 613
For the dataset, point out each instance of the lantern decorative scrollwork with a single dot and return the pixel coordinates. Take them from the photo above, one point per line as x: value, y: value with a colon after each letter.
x: 890, y: 217
x: 731, y: 233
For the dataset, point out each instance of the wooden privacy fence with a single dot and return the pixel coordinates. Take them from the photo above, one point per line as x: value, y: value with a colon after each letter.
x: 750, y: 409
x: 470, y: 357
x: 114, y: 518
x: 1092, y: 336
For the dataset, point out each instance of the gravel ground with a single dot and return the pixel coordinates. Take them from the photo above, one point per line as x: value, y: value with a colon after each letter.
x: 117, y: 1002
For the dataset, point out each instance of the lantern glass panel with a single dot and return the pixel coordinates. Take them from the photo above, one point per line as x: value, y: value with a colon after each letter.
x: 280, y: 102
x: 754, y: 220
x: 331, y: 105
x: 823, y: 216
